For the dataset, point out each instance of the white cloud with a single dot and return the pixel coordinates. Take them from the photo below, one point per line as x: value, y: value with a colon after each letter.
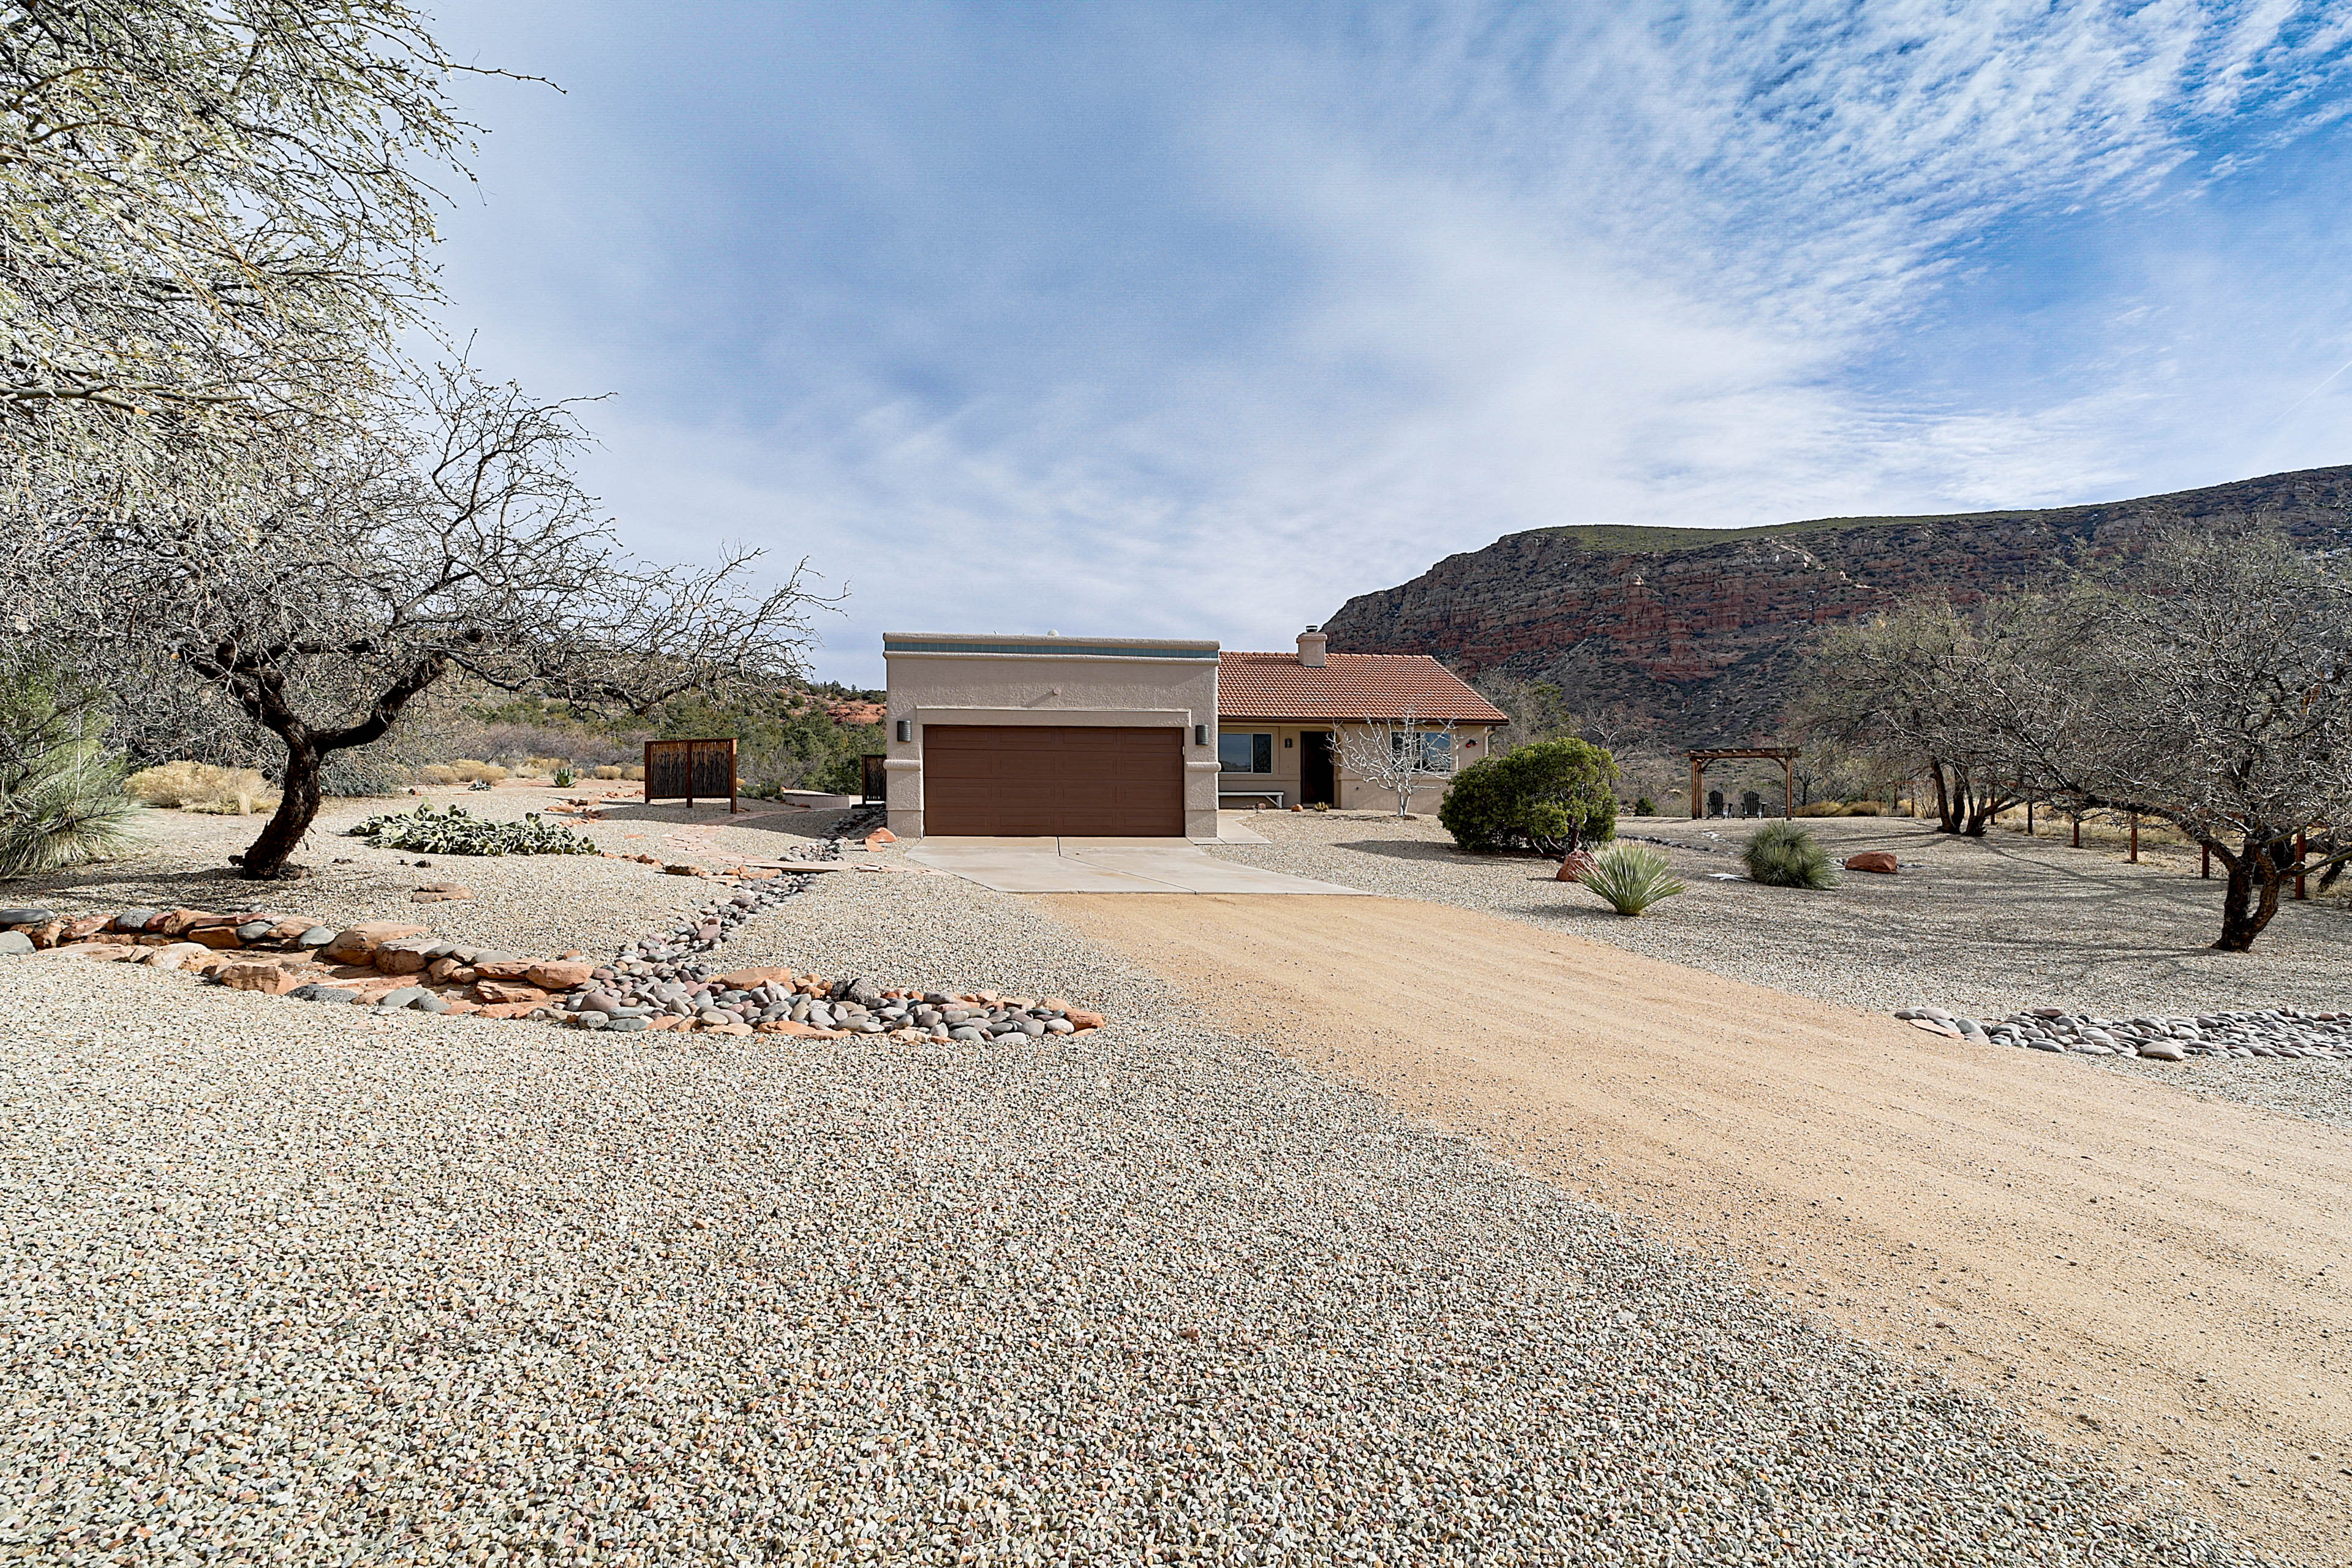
x: 1644, y: 267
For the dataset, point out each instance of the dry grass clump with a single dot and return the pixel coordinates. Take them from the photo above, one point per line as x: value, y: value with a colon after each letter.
x: 463, y: 769
x: 203, y: 787
x: 1841, y: 808
x: 613, y: 770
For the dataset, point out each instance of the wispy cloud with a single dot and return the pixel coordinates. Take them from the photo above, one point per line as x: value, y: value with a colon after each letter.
x: 1201, y: 320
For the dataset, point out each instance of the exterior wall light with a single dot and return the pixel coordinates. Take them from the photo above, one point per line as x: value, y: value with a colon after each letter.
x: 1199, y: 734
x: 906, y: 730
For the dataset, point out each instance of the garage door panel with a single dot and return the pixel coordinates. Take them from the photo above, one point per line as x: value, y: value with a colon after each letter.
x: 1017, y: 781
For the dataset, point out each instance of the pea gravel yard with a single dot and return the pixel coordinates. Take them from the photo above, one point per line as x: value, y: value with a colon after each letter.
x: 289, y: 1283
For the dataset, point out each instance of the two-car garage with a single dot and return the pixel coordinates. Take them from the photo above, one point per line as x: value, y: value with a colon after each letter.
x: 1024, y: 781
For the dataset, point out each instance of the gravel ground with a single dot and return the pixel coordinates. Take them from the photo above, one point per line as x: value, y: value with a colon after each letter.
x: 525, y: 904
x: 1982, y: 927
x: 301, y: 1285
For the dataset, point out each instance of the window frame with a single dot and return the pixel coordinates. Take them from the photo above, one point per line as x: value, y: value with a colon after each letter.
x: 1261, y: 752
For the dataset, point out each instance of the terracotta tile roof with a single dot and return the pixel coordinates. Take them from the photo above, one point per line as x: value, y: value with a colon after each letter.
x: 1351, y: 686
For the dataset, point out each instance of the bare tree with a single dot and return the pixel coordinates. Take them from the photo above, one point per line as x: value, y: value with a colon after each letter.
x: 1399, y: 754
x: 211, y: 206
x: 2213, y: 691
x: 325, y: 584
x: 1909, y: 691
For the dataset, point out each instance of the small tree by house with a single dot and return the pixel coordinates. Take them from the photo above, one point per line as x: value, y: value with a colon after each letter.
x: 325, y: 582
x: 1400, y: 755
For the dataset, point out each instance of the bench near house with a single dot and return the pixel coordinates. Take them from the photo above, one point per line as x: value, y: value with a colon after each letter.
x: 1134, y: 737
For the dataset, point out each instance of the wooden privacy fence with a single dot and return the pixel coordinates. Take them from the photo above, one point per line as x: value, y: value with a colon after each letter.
x: 696, y: 770
x: 873, y: 779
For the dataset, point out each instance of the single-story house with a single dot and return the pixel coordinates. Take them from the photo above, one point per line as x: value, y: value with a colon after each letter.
x: 1137, y: 737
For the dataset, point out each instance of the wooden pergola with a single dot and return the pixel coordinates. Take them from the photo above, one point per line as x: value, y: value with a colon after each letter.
x: 1784, y: 755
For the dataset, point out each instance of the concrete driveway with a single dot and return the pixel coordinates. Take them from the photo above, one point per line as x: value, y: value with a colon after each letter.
x: 1105, y: 865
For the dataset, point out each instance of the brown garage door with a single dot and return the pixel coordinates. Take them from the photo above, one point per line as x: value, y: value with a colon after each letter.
x: 1020, y: 781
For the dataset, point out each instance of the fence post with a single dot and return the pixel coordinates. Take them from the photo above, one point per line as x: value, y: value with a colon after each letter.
x: 2078, y: 830
x: 2135, y: 837
x: 2299, y: 851
x: 2206, y: 870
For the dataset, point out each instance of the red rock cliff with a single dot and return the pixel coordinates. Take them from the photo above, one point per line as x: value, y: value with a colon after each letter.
x: 1706, y: 630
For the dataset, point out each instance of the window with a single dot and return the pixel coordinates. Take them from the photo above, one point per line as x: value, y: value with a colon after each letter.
x: 1436, y: 749
x: 1246, y: 753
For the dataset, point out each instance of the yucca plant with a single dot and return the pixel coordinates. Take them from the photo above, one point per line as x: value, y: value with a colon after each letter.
x: 1631, y: 877
x: 61, y: 800
x: 1784, y: 854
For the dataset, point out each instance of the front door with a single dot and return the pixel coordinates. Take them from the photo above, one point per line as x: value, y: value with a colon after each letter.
x: 1314, y: 771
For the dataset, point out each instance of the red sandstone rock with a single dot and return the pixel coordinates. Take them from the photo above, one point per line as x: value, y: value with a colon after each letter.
x: 179, y: 922
x: 264, y: 975
x: 1881, y: 860
x: 220, y: 939
x: 1576, y: 867
x: 560, y: 974
x: 504, y: 992
x: 1080, y: 1019
x: 358, y: 944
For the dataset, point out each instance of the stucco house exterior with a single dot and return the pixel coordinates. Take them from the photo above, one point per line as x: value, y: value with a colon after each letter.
x: 1010, y: 736
x: 1280, y: 717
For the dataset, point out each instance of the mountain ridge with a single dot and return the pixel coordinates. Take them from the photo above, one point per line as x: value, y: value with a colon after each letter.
x: 1703, y: 628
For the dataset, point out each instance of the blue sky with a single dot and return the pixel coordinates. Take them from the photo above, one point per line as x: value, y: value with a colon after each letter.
x: 1195, y: 319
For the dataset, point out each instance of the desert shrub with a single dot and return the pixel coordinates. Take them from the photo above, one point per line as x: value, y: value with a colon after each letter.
x: 1631, y: 877
x: 545, y: 764
x: 1645, y: 806
x: 1785, y: 855
x: 1550, y: 798
x: 61, y: 800
x: 608, y: 770
x: 1821, y: 808
x: 202, y: 787
x: 1862, y: 808
x: 456, y: 831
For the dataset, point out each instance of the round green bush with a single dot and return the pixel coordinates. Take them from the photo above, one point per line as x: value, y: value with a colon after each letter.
x: 1552, y: 797
x: 1785, y: 855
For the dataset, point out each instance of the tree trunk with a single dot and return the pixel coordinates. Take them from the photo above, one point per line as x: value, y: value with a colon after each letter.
x: 2251, y: 898
x: 267, y: 856
x: 1948, y: 809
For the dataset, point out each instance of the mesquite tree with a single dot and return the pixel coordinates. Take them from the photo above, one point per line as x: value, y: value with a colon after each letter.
x: 324, y: 583
x: 1906, y: 691
x: 209, y: 208
x: 2213, y: 691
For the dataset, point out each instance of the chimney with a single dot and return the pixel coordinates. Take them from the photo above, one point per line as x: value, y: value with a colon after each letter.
x: 1310, y: 648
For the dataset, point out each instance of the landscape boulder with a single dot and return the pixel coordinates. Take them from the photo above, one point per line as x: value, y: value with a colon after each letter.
x: 27, y: 915
x: 218, y: 938
x: 177, y: 955
x: 560, y: 973
x: 508, y: 993
x: 406, y: 955
x: 440, y: 894
x: 501, y: 967
x: 1576, y: 868
x: 15, y: 944
x: 357, y: 944
x: 1879, y: 860
x: 266, y: 976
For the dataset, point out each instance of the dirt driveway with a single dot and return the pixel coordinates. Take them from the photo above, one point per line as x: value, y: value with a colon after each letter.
x: 2138, y: 1271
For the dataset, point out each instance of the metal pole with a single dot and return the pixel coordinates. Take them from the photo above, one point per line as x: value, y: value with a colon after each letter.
x: 2029, y: 817
x: 2078, y: 832
x: 1788, y: 788
x: 2135, y: 831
